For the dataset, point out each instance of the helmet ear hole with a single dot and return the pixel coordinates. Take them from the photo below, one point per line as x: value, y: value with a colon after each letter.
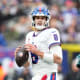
x: 33, y: 18
x: 46, y: 18
x: 46, y: 24
x: 33, y: 24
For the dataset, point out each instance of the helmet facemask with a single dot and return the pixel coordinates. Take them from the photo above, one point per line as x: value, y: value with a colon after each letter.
x: 40, y: 24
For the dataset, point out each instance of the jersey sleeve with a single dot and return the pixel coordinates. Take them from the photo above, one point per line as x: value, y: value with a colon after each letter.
x: 54, y: 38
x: 27, y: 38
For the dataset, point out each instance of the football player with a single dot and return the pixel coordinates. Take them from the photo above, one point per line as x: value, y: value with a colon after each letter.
x: 78, y: 62
x: 44, y: 47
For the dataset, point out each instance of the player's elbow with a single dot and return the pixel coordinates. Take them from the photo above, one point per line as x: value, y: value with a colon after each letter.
x: 60, y: 61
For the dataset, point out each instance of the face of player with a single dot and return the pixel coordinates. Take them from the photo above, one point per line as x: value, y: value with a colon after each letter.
x: 40, y: 20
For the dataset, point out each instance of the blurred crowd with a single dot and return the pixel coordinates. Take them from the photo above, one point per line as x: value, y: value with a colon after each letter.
x: 15, y: 19
x: 15, y: 23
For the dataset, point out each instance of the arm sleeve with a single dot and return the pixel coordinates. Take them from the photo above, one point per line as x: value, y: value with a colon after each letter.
x: 48, y: 57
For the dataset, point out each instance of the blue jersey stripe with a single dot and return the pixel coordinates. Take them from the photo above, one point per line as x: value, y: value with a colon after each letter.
x: 53, y: 75
x: 56, y: 43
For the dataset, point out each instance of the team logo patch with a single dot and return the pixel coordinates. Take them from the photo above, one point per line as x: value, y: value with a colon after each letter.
x: 55, y: 37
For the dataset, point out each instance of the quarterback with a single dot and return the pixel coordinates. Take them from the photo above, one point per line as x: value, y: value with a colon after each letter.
x: 43, y: 45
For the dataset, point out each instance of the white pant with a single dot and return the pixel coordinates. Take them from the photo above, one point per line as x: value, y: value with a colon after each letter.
x: 43, y: 76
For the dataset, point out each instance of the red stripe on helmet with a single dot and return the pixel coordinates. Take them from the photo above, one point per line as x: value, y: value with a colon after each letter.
x: 40, y: 9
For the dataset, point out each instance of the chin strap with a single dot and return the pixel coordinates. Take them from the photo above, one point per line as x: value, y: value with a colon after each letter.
x: 33, y: 28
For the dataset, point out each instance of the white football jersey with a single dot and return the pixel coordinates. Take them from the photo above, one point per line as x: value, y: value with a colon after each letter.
x: 43, y: 40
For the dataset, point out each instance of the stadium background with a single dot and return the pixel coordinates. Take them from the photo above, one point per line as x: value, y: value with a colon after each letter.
x: 15, y: 23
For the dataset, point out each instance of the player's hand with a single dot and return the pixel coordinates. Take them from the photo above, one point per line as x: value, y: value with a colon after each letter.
x: 31, y: 48
x: 17, y: 50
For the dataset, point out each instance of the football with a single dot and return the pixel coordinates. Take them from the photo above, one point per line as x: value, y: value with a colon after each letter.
x: 22, y: 57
